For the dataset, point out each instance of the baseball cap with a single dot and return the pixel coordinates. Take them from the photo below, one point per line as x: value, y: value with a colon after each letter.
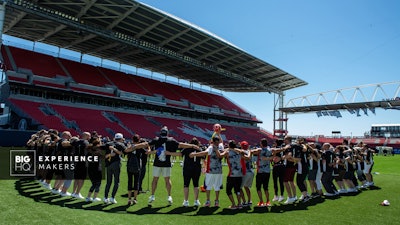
x: 164, y: 132
x: 118, y: 136
x: 244, y: 145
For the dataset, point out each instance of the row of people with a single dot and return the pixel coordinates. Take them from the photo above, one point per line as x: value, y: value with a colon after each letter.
x: 286, y: 161
x: 48, y: 143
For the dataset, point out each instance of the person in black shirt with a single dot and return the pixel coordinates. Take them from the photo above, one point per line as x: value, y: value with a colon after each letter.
x: 368, y: 155
x: 64, y: 175
x: 302, y: 168
x: 162, y: 162
x: 314, y: 174
x: 191, y: 171
x: 327, y: 170
x: 142, y: 158
x: 349, y: 166
x: 113, y: 164
x: 95, y: 169
x: 291, y: 158
x: 134, y: 168
x: 278, y: 171
x: 339, y: 169
x: 80, y: 171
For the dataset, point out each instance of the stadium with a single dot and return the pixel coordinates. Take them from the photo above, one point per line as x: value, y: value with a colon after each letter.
x: 48, y: 91
x: 77, y: 67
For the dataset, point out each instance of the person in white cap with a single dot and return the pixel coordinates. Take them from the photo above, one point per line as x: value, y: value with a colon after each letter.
x: 113, y: 164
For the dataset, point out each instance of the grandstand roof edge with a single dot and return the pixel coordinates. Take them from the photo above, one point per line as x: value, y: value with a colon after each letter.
x: 237, y: 79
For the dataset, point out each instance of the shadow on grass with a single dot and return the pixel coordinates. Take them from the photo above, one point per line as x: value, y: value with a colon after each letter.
x: 260, y: 209
x: 204, y: 211
x: 31, y: 189
x: 148, y: 210
x: 228, y: 211
x: 374, y: 188
x: 183, y: 210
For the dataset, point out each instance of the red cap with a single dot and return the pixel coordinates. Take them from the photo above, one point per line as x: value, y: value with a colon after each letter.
x: 244, y: 145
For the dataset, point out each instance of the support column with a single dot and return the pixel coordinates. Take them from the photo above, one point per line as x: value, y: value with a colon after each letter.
x: 280, y: 118
x: 2, y: 18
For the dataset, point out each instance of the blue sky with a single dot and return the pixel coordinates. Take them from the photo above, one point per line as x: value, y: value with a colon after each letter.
x: 330, y: 44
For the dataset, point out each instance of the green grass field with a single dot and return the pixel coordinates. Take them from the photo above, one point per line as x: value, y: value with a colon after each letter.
x: 26, y: 202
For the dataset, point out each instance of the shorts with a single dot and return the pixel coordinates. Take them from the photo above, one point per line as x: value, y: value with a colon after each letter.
x: 80, y: 172
x: 289, y: 174
x: 213, y: 180
x: 312, y: 174
x: 262, y: 180
x: 247, y: 180
x: 349, y: 175
x: 340, y: 175
x: 367, y: 167
x: 233, y: 183
x: 164, y: 171
x: 193, y: 175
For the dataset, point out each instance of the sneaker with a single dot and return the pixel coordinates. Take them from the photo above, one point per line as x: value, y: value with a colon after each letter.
x: 268, y: 204
x: 314, y: 195
x: 79, y: 196
x: 290, y: 200
x: 249, y: 204
x: 352, y: 190
x: 113, y: 201
x: 55, y: 191
x: 244, y: 204
x: 65, y: 194
x: 370, y: 184
x: 96, y: 200
x: 129, y: 202
x: 152, y: 198
x: 342, y: 191
x: 106, y: 200
x: 216, y: 203
x: 336, y: 192
x: 89, y: 199
x: 233, y: 207
x: 329, y: 194
x: 170, y: 200
x: 306, y: 199
x: 196, y: 203
x: 276, y: 198
x: 134, y: 201
x: 260, y: 204
x: 207, y: 203
x: 73, y: 195
x: 47, y: 186
x: 240, y: 206
x: 281, y: 198
x: 185, y: 203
